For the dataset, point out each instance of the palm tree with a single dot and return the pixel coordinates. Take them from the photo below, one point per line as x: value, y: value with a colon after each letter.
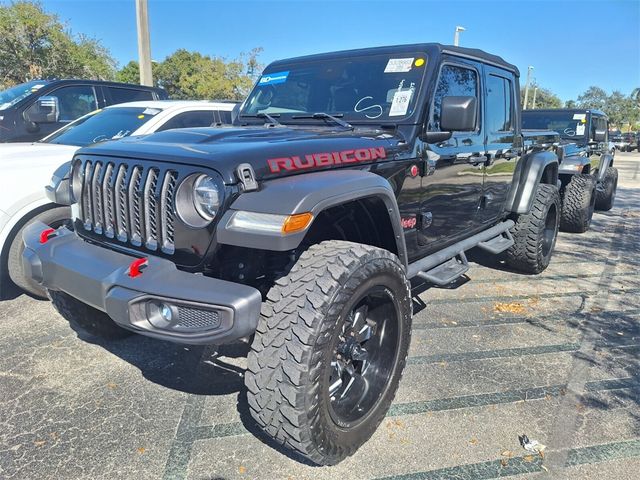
x: 636, y: 95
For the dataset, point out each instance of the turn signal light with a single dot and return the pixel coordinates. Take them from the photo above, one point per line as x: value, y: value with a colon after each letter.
x: 296, y: 223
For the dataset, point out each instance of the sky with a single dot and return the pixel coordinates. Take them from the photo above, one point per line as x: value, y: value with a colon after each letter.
x: 572, y: 44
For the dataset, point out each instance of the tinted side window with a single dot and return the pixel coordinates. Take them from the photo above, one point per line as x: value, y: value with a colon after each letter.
x: 224, y: 117
x: 123, y: 95
x: 599, y: 124
x: 499, y: 99
x: 75, y: 101
x: 198, y: 118
x: 454, y: 81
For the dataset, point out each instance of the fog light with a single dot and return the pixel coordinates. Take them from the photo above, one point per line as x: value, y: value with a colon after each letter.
x: 165, y: 312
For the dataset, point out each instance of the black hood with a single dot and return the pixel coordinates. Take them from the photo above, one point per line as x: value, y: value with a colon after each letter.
x: 271, y: 151
x: 571, y: 148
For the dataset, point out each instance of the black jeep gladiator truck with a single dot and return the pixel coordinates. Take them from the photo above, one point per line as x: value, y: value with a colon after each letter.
x: 588, y: 179
x: 299, y: 228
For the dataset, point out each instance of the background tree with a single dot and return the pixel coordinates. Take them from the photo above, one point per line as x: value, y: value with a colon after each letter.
x: 192, y: 75
x: 545, y: 98
x: 594, y: 97
x: 36, y: 44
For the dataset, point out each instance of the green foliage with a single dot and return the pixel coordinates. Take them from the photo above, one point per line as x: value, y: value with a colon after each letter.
x: 620, y: 108
x: 545, y: 98
x: 594, y: 97
x: 192, y: 75
x: 130, y: 73
x: 36, y: 44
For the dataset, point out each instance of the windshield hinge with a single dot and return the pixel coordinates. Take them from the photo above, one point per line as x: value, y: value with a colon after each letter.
x: 247, y: 177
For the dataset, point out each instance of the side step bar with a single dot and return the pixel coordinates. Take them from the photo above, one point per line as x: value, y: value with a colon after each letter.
x: 490, y: 237
x: 447, y: 272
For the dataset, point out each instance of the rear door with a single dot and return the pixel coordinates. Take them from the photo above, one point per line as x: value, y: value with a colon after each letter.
x: 452, y: 188
x: 504, y: 144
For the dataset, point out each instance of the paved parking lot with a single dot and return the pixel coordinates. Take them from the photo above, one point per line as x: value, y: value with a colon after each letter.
x: 553, y: 356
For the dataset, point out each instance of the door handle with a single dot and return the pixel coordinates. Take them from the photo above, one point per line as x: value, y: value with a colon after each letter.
x: 476, y: 159
x: 509, y: 154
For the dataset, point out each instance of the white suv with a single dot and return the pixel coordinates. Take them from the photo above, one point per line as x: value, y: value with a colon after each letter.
x: 27, y: 167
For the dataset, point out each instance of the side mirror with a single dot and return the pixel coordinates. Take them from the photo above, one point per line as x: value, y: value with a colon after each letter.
x: 45, y: 110
x: 458, y: 114
x: 600, y: 135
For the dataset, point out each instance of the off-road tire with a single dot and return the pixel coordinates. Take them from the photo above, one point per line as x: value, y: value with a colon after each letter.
x: 290, y: 356
x: 578, y: 203
x: 52, y: 217
x: 85, y: 319
x: 530, y: 253
x: 606, y: 197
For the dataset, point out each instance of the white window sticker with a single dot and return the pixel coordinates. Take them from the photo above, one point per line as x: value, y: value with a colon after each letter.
x: 579, y: 116
x: 151, y: 111
x: 396, y: 65
x: 400, y: 103
x: 580, y: 129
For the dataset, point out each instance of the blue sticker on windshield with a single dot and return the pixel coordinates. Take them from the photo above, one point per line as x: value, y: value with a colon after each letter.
x: 273, y: 78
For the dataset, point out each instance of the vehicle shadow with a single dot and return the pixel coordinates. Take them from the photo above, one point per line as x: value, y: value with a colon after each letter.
x: 197, y: 370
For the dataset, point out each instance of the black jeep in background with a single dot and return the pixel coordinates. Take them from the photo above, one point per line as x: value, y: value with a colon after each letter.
x: 298, y: 229
x: 31, y: 111
x: 589, y: 180
x: 631, y: 138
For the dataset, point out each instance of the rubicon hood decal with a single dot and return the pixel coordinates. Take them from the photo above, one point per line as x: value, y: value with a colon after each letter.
x: 325, y: 159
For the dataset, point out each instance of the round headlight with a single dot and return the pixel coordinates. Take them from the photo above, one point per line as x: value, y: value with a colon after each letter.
x: 198, y: 200
x: 206, y: 197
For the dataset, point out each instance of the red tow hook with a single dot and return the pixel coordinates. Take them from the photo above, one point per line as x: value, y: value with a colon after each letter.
x: 135, y: 269
x: 46, y: 234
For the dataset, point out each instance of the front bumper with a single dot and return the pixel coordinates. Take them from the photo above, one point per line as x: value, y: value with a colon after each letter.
x: 202, y: 310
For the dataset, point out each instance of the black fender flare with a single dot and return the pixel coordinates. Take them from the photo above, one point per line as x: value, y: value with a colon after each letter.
x: 573, y: 164
x: 606, y: 160
x: 310, y: 192
x: 527, y: 177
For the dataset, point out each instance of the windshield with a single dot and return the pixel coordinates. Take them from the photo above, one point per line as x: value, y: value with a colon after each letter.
x: 13, y: 95
x: 102, y: 125
x: 567, y: 124
x: 369, y: 88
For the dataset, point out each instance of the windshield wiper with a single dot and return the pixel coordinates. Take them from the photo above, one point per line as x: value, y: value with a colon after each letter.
x: 270, y: 118
x: 326, y: 116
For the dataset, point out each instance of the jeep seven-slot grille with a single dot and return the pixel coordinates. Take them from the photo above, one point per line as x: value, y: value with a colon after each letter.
x: 132, y: 203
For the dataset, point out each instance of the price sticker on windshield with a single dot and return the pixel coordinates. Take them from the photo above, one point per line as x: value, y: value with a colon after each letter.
x: 397, y: 65
x: 400, y: 103
x: 580, y: 129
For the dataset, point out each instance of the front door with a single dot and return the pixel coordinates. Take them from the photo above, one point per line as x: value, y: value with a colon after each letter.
x: 452, y: 185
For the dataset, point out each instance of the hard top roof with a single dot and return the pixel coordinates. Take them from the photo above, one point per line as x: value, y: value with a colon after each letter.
x: 171, y: 104
x: 432, y: 49
x: 568, y: 110
x: 50, y: 81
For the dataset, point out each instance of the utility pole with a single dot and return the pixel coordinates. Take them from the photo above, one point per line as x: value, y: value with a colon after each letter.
x: 144, y: 44
x: 456, y: 35
x: 526, y: 88
x: 535, y: 92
